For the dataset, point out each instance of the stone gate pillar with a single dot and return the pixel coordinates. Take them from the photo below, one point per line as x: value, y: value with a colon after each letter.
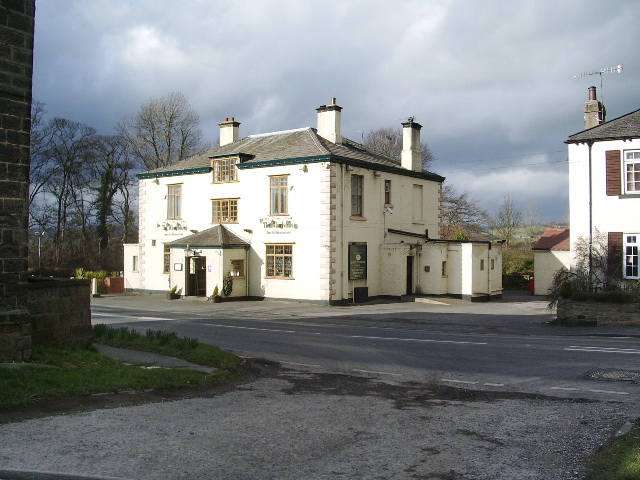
x: 16, y: 67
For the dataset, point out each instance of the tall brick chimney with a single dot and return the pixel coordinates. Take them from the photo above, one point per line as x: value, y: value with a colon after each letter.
x: 329, y: 118
x: 594, y: 111
x: 229, y: 131
x: 411, y: 156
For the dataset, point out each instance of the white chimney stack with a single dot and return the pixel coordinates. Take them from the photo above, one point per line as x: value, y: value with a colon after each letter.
x: 229, y: 131
x: 329, y: 118
x: 411, y: 157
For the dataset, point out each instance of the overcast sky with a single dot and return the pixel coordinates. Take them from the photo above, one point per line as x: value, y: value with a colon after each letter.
x: 492, y: 82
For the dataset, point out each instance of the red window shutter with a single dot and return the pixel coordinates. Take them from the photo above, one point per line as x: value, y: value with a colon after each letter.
x: 615, y: 251
x: 614, y: 186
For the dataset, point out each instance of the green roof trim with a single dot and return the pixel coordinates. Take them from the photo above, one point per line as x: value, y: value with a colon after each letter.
x: 243, y: 157
x: 174, y: 173
x: 285, y: 161
x: 389, y: 169
x: 209, y: 247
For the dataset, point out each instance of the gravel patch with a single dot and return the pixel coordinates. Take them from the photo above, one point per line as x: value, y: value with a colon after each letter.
x: 322, y: 426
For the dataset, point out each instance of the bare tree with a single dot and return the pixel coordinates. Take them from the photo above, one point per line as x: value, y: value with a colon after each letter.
x: 111, y: 168
x: 41, y: 166
x: 388, y: 141
x: 164, y: 131
x: 461, y: 216
x: 508, y: 218
x: 67, y: 150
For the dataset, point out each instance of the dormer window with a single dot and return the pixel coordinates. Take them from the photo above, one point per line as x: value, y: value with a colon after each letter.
x: 225, y: 170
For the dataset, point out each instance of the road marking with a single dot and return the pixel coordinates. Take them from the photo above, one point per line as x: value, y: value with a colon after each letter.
x: 378, y: 373
x: 301, y: 364
x: 609, y: 391
x: 366, y: 337
x: 422, y: 340
x: 250, y: 328
x: 466, y: 382
x: 494, y: 384
x: 128, y: 318
x: 573, y: 389
x: 578, y: 348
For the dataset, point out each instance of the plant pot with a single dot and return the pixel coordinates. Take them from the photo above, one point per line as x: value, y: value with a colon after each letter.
x: 173, y: 296
x: 217, y: 299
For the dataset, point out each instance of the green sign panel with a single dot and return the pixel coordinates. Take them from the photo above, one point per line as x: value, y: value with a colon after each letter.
x: 357, y: 262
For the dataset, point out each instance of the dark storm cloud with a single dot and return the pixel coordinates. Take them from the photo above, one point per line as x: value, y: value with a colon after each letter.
x: 491, y: 82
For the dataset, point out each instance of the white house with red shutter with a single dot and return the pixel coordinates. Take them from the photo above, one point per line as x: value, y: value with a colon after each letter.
x: 604, y: 184
x: 302, y: 214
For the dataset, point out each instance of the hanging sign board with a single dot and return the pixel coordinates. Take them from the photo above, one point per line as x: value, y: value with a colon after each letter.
x: 357, y: 261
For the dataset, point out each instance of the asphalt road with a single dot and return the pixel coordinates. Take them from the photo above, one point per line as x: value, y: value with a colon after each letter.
x: 507, y: 346
x: 397, y: 391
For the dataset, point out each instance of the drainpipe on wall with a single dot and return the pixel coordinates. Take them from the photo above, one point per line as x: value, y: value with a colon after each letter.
x: 489, y: 271
x: 589, y: 145
x: 343, y: 294
x: 246, y: 272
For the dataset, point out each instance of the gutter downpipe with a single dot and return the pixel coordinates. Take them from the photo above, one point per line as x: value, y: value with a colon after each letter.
x: 589, y: 145
x: 246, y: 273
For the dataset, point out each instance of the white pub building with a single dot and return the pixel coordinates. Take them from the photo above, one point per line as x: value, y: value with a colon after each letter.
x: 304, y: 215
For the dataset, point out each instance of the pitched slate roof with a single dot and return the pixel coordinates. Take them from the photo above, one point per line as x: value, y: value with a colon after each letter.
x: 553, y: 239
x: 218, y: 236
x: 621, y: 128
x: 292, y: 146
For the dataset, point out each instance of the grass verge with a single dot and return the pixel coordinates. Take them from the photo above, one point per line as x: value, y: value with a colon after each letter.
x: 619, y: 460
x: 55, y: 372
x: 167, y: 343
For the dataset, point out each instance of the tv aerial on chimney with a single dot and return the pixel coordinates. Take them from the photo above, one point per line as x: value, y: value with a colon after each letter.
x: 602, y: 71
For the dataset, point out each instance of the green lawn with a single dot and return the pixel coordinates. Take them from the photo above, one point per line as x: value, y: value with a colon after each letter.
x: 55, y: 372
x: 620, y: 460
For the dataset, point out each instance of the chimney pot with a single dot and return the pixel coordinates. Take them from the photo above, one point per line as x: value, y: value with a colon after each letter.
x: 411, y: 156
x: 594, y: 111
x: 329, y: 120
x: 229, y: 131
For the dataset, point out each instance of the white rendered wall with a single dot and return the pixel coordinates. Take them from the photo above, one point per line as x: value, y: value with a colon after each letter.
x: 546, y: 264
x: 320, y: 227
x: 610, y: 213
x: 370, y: 228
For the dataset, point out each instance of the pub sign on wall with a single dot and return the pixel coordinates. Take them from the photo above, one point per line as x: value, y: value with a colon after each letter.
x: 357, y: 261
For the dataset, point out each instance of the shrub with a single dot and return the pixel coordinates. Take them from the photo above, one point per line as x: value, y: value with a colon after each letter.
x: 597, y: 271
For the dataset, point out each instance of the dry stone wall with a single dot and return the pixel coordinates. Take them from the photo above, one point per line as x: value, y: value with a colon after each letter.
x: 622, y: 314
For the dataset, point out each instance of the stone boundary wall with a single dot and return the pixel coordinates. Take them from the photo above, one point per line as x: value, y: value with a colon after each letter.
x: 60, y: 311
x: 622, y: 314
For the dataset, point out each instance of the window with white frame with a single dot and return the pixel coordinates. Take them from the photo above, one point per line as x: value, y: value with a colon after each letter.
x: 225, y: 170
x: 632, y: 171
x: 631, y: 246
x: 134, y: 263
x: 224, y: 210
